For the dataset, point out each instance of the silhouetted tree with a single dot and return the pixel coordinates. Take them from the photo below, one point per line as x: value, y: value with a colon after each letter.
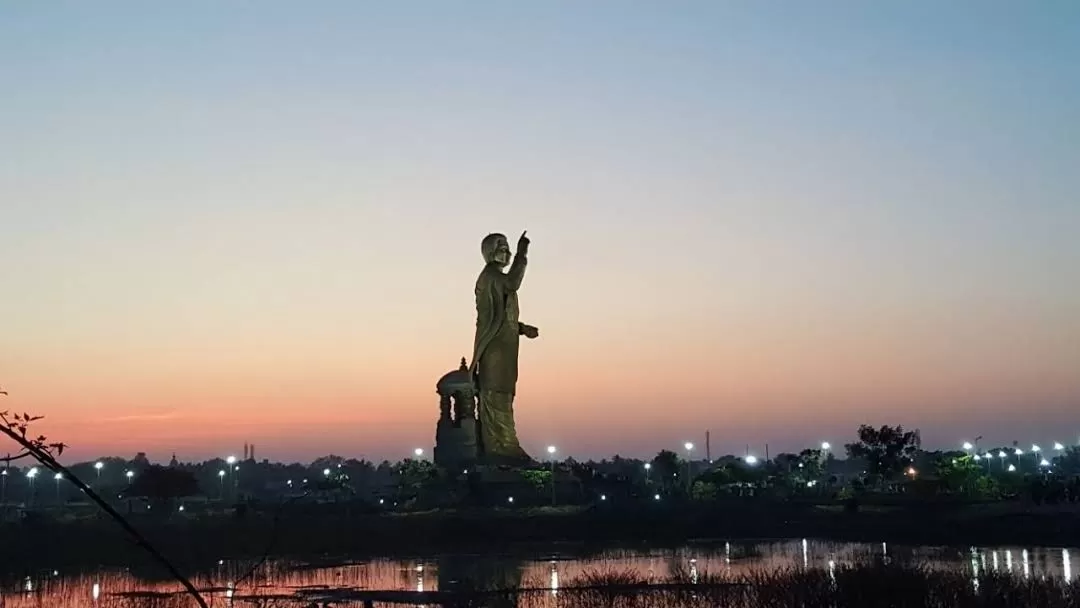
x: 665, y: 465
x: 163, y: 484
x: 887, y: 450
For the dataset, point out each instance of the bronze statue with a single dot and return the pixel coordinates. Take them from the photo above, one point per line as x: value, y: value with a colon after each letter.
x: 495, y: 351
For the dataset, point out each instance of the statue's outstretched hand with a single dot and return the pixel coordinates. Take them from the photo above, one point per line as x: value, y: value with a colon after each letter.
x: 523, y: 242
x: 529, y: 331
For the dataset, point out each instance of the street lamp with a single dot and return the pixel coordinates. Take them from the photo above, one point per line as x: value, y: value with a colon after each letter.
x: 751, y: 460
x: 648, y: 467
x: 419, y: 452
x: 1058, y: 446
x: 31, y: 474
x: 58, y: 477
x: 551, y: 455
x: 3, y: 486
x: 325, y: 472
x: 231, y: 460
x: 221, y: 483
x: 967, y: 446
x: 826, y: 446
x: 129, y: 475
x: 97, y: 467
x: 689, y: 448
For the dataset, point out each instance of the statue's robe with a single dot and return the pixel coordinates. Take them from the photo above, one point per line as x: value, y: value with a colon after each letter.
x: 495, y: 359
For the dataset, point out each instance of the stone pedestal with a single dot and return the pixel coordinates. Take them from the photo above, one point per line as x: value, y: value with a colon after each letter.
x: 455, y: 443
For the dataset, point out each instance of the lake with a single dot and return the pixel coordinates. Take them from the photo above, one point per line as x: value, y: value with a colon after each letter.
x: 557, y: 566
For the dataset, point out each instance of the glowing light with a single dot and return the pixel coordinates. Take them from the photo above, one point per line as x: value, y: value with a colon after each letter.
x: 95, y: 591
x: 418, y: 451
x: 825, y: 445
x: 129, y: 474
x: 326, y: 472
x: 231, y: 460
x: 1035, y: 448
x: 32, y: 473
x: 221, y: 473
x: 510, y: 500
x: 551, y: 450
x: 751, y: 460
x: 968, y: 446
x: 648, y: 466
x: 656, y: 497
x: 603, y: 497
x: 1058, y: 446
x: 1044, y: 463
x: 911, y: 471
x: 1012, y: 468
x: 1002, y: 454
x: 98, y: 465
x: 58, y: 476
x: 977, y: 458
x: 805, y: 554
x: 689, y: 446
x: 1018, y: 452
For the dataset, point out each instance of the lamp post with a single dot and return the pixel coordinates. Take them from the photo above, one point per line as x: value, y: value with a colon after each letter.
x: 129, y: 475
x: 231, y: 461
x: 551, y: 455
x: 97, y: 467
x: 1035, y: 449
x: 58, y: 477
x: 3, y: 487
x: 648, y: 467
x: 30, y: 475
x: 221, y: 484
x: 689, y: 448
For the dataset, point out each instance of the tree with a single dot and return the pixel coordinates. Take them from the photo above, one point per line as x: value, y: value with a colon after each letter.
x: 1068, y: 463
x: 665, y: 467
x: 887, y: 450
x: 163, y: 484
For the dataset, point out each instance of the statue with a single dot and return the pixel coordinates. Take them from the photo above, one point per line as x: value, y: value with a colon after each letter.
x: 494, y: 366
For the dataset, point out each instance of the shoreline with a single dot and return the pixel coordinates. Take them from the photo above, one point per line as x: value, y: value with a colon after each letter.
x: 302, y: 535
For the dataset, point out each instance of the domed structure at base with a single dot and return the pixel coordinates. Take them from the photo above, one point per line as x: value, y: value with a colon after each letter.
x: 455, y: 433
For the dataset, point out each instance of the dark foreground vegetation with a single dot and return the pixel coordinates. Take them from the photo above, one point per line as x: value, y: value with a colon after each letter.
x: 334, y: 530
x: 867, y: 586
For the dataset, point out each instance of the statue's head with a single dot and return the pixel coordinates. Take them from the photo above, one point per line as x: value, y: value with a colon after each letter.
x: 495, y: 249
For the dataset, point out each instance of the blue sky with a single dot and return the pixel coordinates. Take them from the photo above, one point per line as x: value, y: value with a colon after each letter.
x: 746, y: 186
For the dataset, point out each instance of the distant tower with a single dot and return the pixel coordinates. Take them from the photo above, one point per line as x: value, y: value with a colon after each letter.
x: 708, y: 448
x: 251, y: 451
x: 173, y: 463
x: 245, y: 451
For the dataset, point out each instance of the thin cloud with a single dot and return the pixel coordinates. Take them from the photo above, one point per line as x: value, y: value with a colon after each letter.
x: 142, y: 417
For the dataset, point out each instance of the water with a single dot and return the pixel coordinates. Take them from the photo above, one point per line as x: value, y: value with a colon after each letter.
x: 547, y: 571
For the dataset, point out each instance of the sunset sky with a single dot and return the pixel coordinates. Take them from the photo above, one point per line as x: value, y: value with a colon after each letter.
x: 260, y: 221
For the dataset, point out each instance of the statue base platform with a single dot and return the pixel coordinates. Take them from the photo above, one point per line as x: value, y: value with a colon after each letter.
x: 455, y: 444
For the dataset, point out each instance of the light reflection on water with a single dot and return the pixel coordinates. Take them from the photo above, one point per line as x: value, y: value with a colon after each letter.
x: 99, y: 589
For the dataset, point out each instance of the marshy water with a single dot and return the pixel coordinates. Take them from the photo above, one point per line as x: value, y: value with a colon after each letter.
x: 285, y: 582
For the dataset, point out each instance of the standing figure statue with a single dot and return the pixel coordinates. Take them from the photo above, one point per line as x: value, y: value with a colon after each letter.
x: 495, y: 351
